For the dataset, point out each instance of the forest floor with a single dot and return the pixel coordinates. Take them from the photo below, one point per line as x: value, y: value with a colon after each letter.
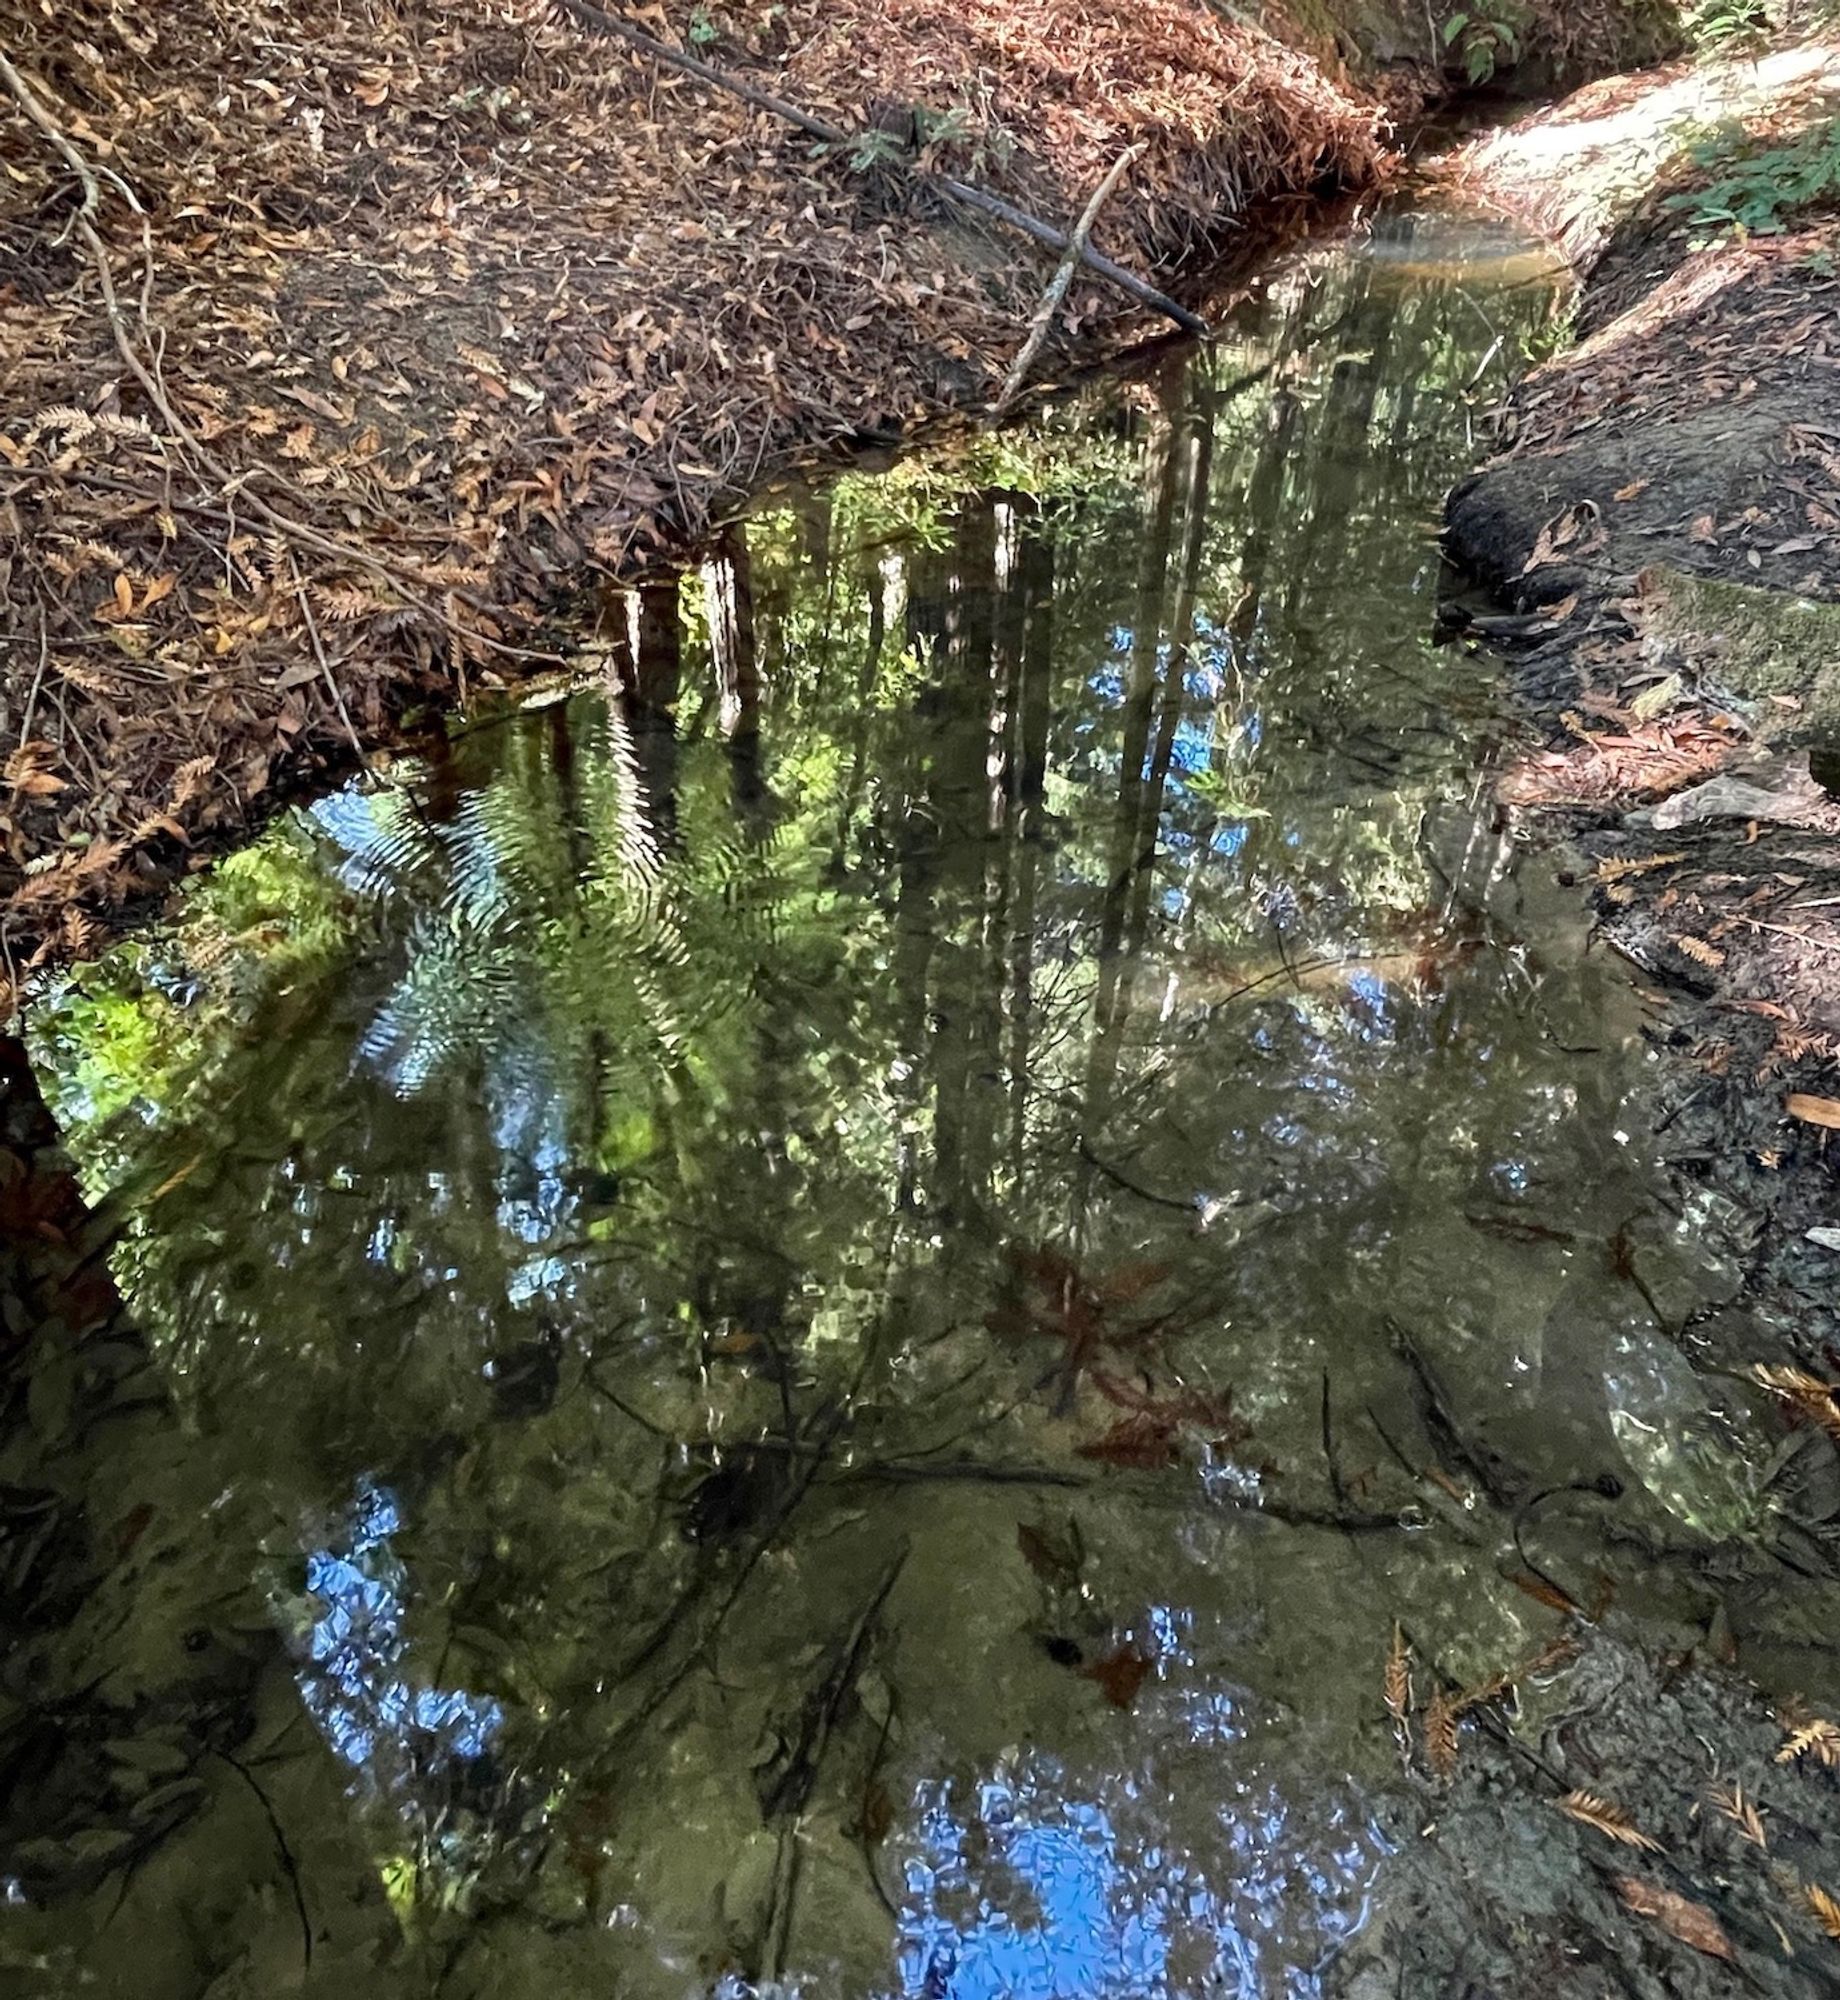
x: 1663, y: 524
x: 343, y: 345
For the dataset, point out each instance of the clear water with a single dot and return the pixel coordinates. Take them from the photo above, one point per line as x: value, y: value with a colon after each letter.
x: 806, y: 1283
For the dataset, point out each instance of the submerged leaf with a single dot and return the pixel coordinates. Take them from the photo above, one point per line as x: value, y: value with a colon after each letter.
x: 1691, y: 1923
x: 1441, y: 1736
x: 1399, y: 1677
x: 1119, y: 1675
x: 1742, y: 1813
x: 1817, y: 1738
x: 1826, y: 1910
x: 1608, y: 1818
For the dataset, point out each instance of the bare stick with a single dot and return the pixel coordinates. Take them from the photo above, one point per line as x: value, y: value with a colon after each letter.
x: 1063, y: 277
x: 319, y: 654
x: 962, y: 192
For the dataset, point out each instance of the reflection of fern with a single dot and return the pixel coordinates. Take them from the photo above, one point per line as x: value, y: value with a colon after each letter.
x: 561, y: 930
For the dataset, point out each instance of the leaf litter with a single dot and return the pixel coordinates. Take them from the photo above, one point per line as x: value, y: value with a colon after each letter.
x: 416, y: 356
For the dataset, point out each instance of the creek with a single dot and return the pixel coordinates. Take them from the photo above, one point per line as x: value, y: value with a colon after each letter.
x: 815, y: 1305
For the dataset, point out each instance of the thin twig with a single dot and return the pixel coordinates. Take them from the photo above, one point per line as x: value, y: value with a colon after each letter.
x: 319, y: 654
x: 38, y: 679
x: 288, y: 1865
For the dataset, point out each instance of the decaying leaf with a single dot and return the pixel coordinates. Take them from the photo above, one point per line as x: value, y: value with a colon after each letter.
x: 1697, y: 948
x: 1119, y: 1675
x: 1813, y: 1110
x: 1608, y: 1818
x: 1399, y: 1678
x: 1441, y: 1736
x: 1616, y: 870
x: 1655, y: 700
x: 1054, y: 1557
x: 1566, y: 536
x: 1542, y: 1592
x: 1742, y: 1812
x: 1825, y: 1909
x: 1691, y: 1923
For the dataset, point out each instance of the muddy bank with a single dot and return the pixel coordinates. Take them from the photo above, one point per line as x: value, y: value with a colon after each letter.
x: 1662, y: 527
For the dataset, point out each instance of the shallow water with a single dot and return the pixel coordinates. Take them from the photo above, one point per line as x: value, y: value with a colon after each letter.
x: 834, y: 1292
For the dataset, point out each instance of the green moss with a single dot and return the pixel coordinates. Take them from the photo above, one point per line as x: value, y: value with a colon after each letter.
x: 1754, y: 643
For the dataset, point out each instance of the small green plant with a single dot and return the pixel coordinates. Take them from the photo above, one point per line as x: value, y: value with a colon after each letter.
x: 1484, y: 41
x: 703, y: 31
x: 1755, y: 192
x: 871, y: 148
x: 1721, y: 27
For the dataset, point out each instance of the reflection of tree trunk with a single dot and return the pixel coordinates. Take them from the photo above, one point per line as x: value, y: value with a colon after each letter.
x: 963, y: 1004
x: 1263, y: 503
x: 883, y: 581
x: 1126, y: 854
x: 1030, y: 707
x: 728, y: 601
x: 1340, y: 469
x: 648, y: 671
x: 575, y: 832
x: 1182, y: 621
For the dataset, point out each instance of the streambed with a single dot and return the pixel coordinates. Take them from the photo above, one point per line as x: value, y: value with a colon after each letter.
x: 812, y: 1313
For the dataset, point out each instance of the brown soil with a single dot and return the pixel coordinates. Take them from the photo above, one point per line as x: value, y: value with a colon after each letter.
x: 1663, y: 524
x: 428, y: 314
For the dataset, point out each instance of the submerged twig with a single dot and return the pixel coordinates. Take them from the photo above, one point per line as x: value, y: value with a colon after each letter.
x: 792, y: 1790
x: 288, y: 1865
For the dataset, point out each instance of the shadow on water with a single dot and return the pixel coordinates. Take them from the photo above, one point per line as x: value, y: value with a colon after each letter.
x: 813, y: 1312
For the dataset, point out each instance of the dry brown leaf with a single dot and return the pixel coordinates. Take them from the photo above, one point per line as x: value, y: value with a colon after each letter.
x: 1813, y: 1110
x: 1691, y: 1923
x: 1630, y: 491
x: 1698, y: 949
x: 1608, y: 1818
x: 1613, y: 870
x: 1817, y: 1738
x: 1825, y: 1910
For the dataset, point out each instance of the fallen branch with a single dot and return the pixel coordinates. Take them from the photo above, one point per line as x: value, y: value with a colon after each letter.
x: 962, y: 192
x: 1063, y: 277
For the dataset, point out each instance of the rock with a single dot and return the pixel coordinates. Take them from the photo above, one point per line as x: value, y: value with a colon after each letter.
x: 1794, y: 796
